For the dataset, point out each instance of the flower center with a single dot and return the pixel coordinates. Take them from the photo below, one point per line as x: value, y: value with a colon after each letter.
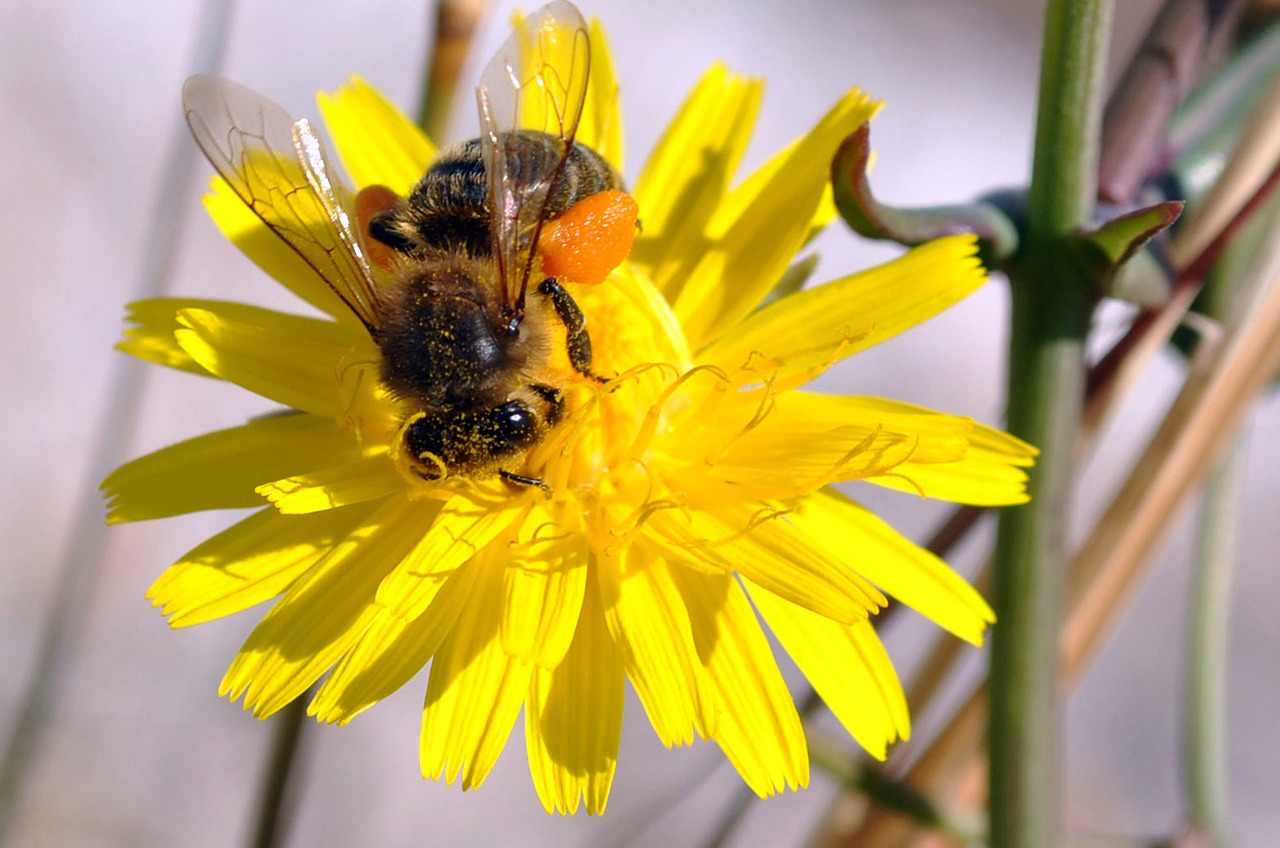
x: 640, y: 350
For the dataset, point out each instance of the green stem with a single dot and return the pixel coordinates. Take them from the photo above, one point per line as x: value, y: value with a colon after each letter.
x: 1206, y: 767
x: 1051, y: 304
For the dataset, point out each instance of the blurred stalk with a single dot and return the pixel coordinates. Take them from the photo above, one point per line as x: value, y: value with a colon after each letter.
x: 1252, y: 159
x: 850, y: 818
x: 1225, y: 377
x: 77, y: 570
x: 958, y: 825
x: 1051, y: 305
x: 1156, y: 80
x: 1205, y: 742
x: 952, y: 755
x: 1111, y: 379
x: 1206, y: 719
x: 278, y: 797
x: 456, y: 22
x: 1207, y: 127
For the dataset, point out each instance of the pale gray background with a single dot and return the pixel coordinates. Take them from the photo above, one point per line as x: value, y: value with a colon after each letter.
x: 143, y: 753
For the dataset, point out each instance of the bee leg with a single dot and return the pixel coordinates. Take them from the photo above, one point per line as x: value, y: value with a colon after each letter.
x: 522, y: 480
x: 575, y: 325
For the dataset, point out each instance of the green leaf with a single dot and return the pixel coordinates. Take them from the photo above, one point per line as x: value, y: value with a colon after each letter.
x: 1107, y: 252
x: 997, y: 234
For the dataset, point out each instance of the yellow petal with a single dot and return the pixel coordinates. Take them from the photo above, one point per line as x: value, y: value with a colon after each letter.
x: 847, y: 666
x: 547, y: 54
x: 816, y: 327
x: 248, y: 563
x: 151, y: 338
x: 817, y: 439
x: 246, y: 231
x: 989, y: 474
x: 365, y: 479
x: 688, y: 173
x: 475, y: 691
x: 543, y: 585
x: 573, y: 718
x: 935, y: 436
x: 391, y: 651
x: 758, y: 728
x: 759, y: 228
x: 760, y: 544
x: 220, y: 470
x: 323, y: 613
x: 308, y: 364
x: 462, y: 529
x: 600, y: 127
x: 375, y: 141
x: 901, y: 568
x: 820, y: 439
x: 979, y: 479
x: 647, y: 619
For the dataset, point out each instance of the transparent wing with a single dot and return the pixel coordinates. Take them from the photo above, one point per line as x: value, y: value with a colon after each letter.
x: 537, y: 81
x: 278, y: 167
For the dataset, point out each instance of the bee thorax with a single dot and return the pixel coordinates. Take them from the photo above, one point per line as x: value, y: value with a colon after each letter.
x: 439, y: 345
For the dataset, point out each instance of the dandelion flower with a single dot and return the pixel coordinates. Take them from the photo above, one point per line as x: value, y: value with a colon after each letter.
x: 688, y: 502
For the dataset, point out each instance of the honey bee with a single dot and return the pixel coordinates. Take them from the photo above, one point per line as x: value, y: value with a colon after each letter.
x: 442, y: 279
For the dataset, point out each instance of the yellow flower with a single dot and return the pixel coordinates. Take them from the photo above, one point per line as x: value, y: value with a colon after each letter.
x: 686, y: 500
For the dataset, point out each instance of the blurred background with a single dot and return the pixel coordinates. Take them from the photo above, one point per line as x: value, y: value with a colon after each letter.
x: 142, y: 752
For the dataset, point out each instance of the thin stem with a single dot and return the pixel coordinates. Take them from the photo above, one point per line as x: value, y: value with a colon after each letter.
x: 1051, y: 305
x: 456, y: 22
x: 730, y: 820
x: 1225, y: 378
x: 280, y: 790
x: 1252, y: 159
x: 1205, y: 730
x: 1223, y: 383
x: 77, y: 569
x: 891, y: 794
x: 1206, y: 721
x: 735, y: 812
x: 1208, y: 125
x: 953, y: 750
x: 1157, y: 78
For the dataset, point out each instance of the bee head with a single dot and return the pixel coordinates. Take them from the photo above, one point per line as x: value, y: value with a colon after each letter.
x: 462, y: 443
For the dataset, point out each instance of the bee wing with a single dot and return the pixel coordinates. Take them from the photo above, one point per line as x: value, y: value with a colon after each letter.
x: 278, y: 167
x: 537, y: 81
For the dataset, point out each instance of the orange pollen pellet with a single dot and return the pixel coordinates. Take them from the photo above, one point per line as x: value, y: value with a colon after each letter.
x: 590, y: 239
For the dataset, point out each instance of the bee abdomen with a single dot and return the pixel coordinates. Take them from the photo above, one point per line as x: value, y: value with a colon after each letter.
x: 448, y: 210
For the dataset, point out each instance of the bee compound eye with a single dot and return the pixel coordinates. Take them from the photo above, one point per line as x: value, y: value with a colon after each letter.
x: 516, y: 423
